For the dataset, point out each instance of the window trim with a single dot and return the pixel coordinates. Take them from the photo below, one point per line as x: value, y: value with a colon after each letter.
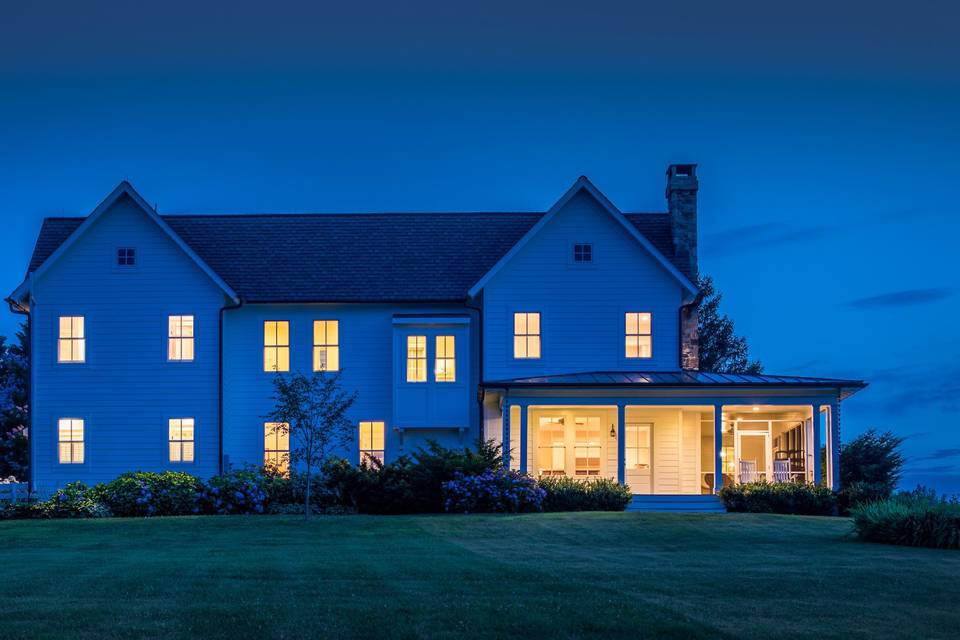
x: 125, y: 266
x: 72, y: 340
x: 370, y: 452
x: 82, y: 441
x: 424, y: 359
x: 263, y: 354
x: 583, y: 263
x: 192, y: 338
x: 181, y: 441
x: 626, y: 335
x: 448, y: 358
x: 514, y: 335
x: 285, y: 467
x: 326, y: 345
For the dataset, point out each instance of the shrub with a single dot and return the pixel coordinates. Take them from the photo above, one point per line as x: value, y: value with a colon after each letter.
x: 870, y: 468
x: 286, y: 492
x: 569, y: 494
x: 917, y: 519
x: 74, y: 500
x: 493, y: 491
x: 242, y: 490
x: 781, y: 497
x: 143, y: 493
x: 410, y: 484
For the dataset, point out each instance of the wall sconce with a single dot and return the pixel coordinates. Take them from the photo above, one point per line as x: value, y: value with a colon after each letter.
x: 613, y: 431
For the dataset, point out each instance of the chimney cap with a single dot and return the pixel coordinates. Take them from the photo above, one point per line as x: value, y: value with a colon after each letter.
x: 685, y: 170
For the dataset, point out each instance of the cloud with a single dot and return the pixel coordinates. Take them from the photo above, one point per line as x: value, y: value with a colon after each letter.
x: 899, y: 391
x: 940, y: 454
x: 762, y: 236
x: 905, y: 297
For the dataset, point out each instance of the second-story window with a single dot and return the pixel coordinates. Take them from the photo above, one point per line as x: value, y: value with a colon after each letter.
x: 276, y: 345
x: 582, y: 253
x: 639, y: 341
x: 71, y: 340
x: 526, y: 335
x: 326, y: 345
x: 445, y: 355
x: 416, y: 358
x: 180, y: 338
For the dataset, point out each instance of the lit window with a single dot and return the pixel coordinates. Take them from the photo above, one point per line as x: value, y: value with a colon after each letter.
x: 587, y: 448
x: 276, y: 446
x: 551, y: 447
x: 416, y: 358
x: 276, y: 345
x: 638, y: 446
x: 126, y: 256
x: 326, y: 345
x: 639, y: 342
x: 70, y: 440
x: 526, y: 335
x: 371, y: 441
x: 582, y: 253
x: 71, y: 345
x: 181, y: 439
x: 446, y: 369
x: 180, y: 338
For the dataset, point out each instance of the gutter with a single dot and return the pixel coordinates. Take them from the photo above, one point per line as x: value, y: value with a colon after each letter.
x: 19, y: 309
x: 237, y: 305
x: 481, y: 392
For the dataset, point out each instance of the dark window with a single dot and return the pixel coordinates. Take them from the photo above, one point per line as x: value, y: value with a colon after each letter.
x: 583, y: 253
x: 126, y: 257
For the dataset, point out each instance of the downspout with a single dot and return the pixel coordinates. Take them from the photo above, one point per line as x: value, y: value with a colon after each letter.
x: 481, y: 392
x: 224, y: 308
x: 19, y: 309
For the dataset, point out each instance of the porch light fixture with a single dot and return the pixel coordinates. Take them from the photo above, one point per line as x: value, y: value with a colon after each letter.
x: 613, y: 431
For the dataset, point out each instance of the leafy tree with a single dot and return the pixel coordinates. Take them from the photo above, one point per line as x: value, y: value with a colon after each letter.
x: 14, y: 405
x: 721, y: 349
x: 312, y: 411
x: 870, y: 467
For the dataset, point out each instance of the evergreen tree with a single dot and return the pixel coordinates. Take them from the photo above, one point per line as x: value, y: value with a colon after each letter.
x: 721, y: 349
x: 14, y: 405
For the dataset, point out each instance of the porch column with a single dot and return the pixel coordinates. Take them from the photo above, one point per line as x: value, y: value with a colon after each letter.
x: 523, y: 438
x: 817, y: 471
x: 505, y: 421
x: 717, y: 447
x: 835, y: 445
x: 621, y: 443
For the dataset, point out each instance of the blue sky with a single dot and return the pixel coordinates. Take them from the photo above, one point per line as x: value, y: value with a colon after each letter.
x: 827, y: 138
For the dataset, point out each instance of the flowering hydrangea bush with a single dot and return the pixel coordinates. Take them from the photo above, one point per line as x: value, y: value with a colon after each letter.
x: 240, y: 491
x: 74, y: 500
x: 492, y: 491
x: 141, y: 493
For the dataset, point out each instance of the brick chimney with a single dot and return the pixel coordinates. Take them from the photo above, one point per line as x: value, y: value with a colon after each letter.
x: 682, y: 186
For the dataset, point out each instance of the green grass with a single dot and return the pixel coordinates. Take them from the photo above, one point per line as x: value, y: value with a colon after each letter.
x: 536, y: 576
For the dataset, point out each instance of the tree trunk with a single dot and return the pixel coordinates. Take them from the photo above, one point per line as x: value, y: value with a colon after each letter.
x: 306, y: 505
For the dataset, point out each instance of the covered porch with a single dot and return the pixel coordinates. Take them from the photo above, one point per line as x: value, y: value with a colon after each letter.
x: 670, y: 434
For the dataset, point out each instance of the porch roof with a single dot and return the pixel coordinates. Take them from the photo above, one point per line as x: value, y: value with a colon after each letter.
x: 680, y: 379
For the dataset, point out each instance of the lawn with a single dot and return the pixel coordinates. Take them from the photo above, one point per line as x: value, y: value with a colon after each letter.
x: 536, y: 576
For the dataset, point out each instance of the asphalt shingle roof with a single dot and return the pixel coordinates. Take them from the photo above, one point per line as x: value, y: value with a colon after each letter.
x: 350, y: 257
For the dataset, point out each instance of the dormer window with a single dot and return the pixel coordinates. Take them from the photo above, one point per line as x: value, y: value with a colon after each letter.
x: 126, y: 256
x: 582, y: 253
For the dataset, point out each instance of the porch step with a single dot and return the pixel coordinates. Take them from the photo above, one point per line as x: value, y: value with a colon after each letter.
x: 677, y: 503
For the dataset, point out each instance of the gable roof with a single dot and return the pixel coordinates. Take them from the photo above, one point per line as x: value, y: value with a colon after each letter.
x: 583, y: 184
x: 59, y: 245
x: 352, y: 257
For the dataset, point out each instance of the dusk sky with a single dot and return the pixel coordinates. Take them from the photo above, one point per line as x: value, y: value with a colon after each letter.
x: 827, y: 137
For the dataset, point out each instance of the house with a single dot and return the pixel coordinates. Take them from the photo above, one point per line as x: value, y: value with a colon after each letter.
x: 569, y: 335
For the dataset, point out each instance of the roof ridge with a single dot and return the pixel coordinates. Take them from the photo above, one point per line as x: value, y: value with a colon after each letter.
x: 318, y: 214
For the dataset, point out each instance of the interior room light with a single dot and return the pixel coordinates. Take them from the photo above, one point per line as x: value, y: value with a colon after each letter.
x: 755, y: 408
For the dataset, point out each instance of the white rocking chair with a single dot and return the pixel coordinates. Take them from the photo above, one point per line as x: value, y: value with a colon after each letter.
x: 748, y: 471
x: 781, y: 471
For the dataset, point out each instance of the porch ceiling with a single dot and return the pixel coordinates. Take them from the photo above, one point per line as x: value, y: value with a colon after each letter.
x: 679, y: 379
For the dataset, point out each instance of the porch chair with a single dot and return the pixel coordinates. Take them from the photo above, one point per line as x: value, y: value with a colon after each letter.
x: 781, y: 471
x: 748, y: 471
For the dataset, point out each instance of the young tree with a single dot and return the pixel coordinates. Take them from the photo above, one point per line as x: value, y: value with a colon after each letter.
x: 721, y: 349
x: 14, y: 406
x: 870, y: 466
x: 312, y: 411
